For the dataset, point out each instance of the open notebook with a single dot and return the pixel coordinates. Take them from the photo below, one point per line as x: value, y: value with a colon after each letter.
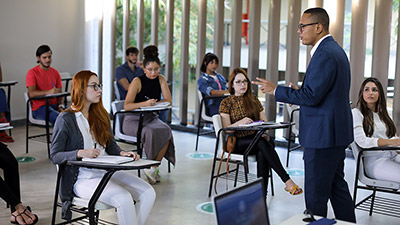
x: 111, y: 159
x: 257, y: 123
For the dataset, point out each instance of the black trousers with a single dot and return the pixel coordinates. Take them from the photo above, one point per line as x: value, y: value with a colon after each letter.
x: 266, y: 157
x: 9, y: 187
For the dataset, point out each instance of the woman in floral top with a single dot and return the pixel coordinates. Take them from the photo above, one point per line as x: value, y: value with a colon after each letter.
x: 242, y: 107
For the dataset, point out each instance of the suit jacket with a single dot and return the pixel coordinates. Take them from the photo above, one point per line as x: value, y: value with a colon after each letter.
x: 325, y: 114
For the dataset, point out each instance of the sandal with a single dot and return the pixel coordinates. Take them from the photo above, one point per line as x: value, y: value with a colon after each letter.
x: 29, y: 209
x: 294, y: 190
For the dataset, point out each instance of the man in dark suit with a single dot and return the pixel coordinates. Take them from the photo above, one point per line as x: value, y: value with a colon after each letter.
x: 325, y: 116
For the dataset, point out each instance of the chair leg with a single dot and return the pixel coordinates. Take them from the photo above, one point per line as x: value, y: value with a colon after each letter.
x: 272, y: 181
x: 198, y: 134
x: 212, y: 175
x: 169, y: 167
x: 236, y: 175
x: 372, y: 202
x: 27, y: 133
x: 288, y: 150
x: 48, y: 139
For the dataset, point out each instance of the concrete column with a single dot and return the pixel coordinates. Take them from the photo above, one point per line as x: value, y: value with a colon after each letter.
x: 254, y: 40
x: 236, y: 33
x: 184, y: 76
x: 140, y: 27
x: 201, y: 47
x: 274, y: 23
x: 125, y: 28
x: 381, y: 41
x: 154, y: 22
x: 358, y: 42
x: 219, y: 32
x: 335, y: 11
x: 169, y: 46
x: 109, y: 51
x: 292, y: 42
x: 396, y: 98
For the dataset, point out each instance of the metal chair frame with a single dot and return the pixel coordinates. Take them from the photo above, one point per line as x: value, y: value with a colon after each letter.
x: 373, y: 203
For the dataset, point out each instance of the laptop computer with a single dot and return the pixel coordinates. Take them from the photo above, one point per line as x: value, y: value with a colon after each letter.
x: 242, y: 205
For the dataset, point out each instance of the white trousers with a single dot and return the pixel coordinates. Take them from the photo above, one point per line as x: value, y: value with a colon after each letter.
x: 121, y: 190
x: 385, y: 168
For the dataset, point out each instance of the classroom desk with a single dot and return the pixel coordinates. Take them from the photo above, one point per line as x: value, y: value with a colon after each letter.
x: 141, y: 113
x: 260, y: 130
x: 298, y: 220
x: 47, y: 98
x: 111, y: 169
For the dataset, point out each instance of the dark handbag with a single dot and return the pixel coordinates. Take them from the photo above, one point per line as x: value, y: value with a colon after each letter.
x: 229, y: 147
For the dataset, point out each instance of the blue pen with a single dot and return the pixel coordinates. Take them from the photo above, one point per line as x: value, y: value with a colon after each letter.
x: 52, y: 84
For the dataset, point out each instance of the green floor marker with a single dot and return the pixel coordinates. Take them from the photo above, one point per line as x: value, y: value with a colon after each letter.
x: 200, y: 155
x: 296, y: 172
x: 25, y: 159
x: 206, y: 207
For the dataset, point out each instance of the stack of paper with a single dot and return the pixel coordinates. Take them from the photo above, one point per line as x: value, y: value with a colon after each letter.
x: 4, y: 124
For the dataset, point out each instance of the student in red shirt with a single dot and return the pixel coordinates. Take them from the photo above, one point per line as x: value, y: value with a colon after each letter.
x: 44, y: 80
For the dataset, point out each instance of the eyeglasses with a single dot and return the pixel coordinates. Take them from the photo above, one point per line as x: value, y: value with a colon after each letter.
x: 96, y: 87
x: 241, y: 82
x: 156, y: 70
x: 301, y: 26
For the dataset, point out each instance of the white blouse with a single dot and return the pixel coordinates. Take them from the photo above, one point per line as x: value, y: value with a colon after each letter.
x: 369, y: 142
x: 88, y: 143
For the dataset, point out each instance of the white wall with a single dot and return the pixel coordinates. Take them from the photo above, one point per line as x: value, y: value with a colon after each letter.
x: 25, y: 25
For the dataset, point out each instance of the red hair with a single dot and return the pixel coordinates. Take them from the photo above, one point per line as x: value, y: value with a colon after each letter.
x: 99, y: 120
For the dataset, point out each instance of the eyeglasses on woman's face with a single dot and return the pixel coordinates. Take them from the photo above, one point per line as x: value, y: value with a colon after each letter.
x: 96, y: 87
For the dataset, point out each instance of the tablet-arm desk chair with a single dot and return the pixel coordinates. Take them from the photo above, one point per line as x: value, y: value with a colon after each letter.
x: 118, y: 111
x: 204, y: 116
x: 373, y: 202
x: 79, y: 205
x: 237, y: 159
x: 294, y: 113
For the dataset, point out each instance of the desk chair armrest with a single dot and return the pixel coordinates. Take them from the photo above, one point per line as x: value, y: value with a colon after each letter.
x: 42, y: 97
x: 8, y: 83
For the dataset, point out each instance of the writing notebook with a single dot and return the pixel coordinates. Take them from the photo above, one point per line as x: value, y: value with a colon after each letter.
x: 111, y: 159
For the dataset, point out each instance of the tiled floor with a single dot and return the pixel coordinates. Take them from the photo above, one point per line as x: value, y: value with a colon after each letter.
x: 179, y: 192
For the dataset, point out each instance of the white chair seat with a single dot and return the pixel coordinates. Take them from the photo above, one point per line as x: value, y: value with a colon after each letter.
x: 367, y: 180
x: 30, y: 116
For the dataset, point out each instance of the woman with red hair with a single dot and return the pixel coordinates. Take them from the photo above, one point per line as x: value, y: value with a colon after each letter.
x: 84, y: 130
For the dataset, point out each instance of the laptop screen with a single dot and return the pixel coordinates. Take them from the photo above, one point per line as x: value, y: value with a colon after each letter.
x: 243, y: 205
